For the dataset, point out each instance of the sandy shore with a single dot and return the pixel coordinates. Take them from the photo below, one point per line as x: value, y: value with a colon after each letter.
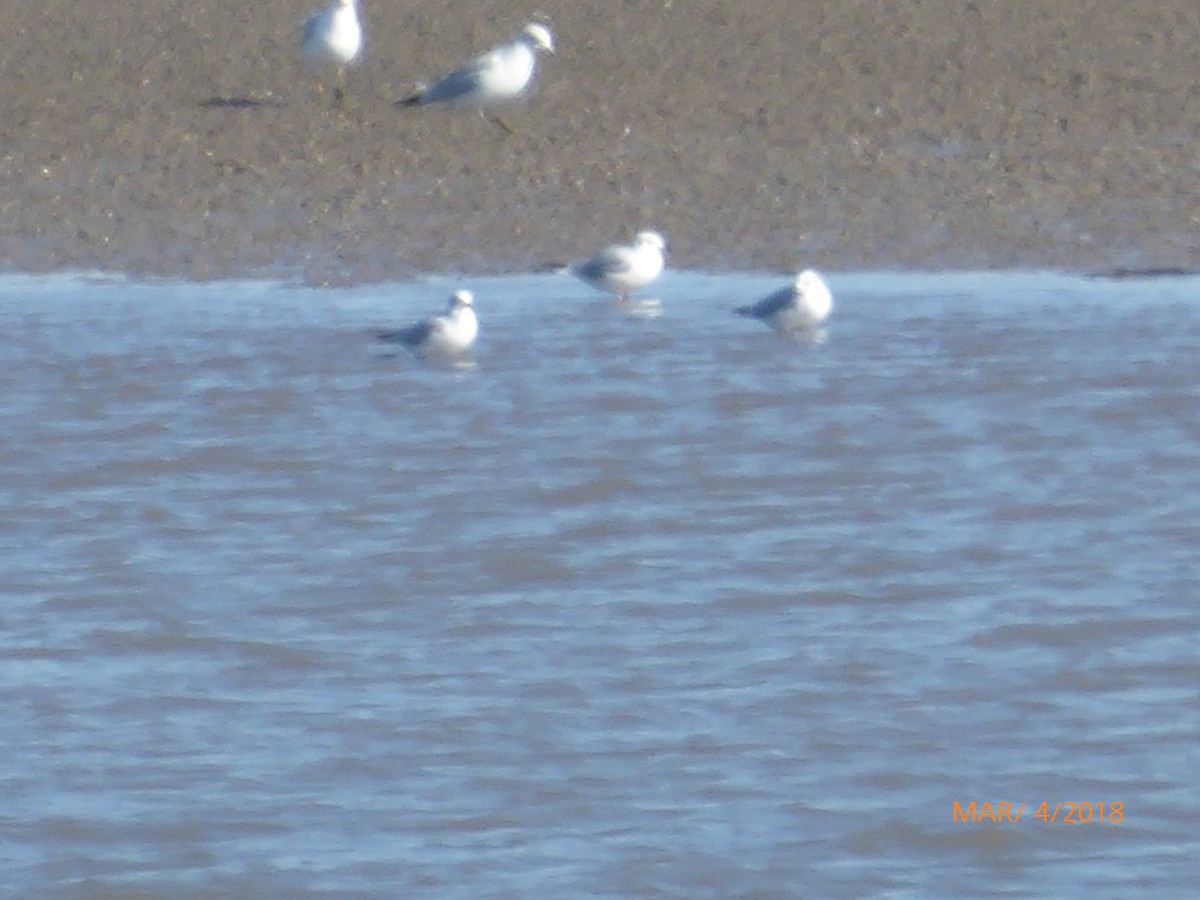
x: 187, y: 139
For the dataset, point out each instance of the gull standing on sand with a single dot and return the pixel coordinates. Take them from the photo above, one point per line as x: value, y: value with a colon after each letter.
x: 622, y: 269
x: 799, y: 307
x: 447, y: 335
x: 333, y: 36
x: 497, y: 76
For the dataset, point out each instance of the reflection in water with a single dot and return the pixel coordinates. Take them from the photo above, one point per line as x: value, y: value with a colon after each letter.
x: 805, y: 336
x: 640, y: 307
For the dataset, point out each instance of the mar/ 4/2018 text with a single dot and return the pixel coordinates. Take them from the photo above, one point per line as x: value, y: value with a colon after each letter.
x: 1068, y: 812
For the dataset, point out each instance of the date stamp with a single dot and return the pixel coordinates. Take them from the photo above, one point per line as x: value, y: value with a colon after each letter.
x: 1063, y: 812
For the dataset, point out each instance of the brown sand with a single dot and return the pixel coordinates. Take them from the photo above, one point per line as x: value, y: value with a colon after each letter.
x: 186, y: 139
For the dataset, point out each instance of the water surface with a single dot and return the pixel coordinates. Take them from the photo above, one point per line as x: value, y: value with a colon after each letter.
x: 654, y: 604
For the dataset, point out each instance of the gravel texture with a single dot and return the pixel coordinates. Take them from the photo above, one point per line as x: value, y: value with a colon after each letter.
x: 187, y: 139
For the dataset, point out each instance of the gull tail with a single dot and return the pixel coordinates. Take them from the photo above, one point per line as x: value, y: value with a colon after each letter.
x: 391, y: 337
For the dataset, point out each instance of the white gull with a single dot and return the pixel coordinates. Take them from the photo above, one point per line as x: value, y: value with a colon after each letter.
x: 621, y: 269
x: 801, y: 306
x: 499, y: 75
x: 333, y: 37
x: 447, y: 335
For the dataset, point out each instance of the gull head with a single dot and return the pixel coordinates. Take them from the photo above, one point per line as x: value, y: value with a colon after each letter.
x: 814, y: 293
x: 538, y: 37
x: 650, y: 239
x: 809, y: 282
x: 461, y: 298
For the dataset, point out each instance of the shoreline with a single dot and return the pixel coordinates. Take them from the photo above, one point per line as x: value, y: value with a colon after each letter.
x: 899, y: 278
x: 848, y: 138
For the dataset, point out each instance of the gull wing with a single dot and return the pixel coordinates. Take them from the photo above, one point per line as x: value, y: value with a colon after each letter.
x: 608, y: 262
x: 463, y: 81
x: 413, y: 336
x: 310, y: 27
x: 769, y: 305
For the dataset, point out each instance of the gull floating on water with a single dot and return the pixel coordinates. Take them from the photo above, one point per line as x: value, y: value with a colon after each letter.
x: 497, y: 76
x: 621, y: 269
x: 333, y: 37
x: 801, y: 306
x: 447, y: 335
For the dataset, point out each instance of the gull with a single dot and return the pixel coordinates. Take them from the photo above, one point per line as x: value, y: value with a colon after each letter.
x: 447, y: 335
x: 801, y: 306
x: 622, y: 269
x: 497, y: 76
x: 333, y: 36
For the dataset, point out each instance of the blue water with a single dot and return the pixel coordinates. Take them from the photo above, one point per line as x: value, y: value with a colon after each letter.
x: 649, y: 603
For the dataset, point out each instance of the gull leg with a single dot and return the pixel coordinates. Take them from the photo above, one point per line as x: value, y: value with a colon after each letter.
x: 499, y: 121
x: 338, y: 93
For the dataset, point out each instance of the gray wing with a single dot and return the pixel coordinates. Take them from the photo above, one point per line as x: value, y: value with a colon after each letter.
x: 310, y: 28
x: 413, y: 336
x: 462, y: 82
x: 770, y: 305
x: 610, y: 261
